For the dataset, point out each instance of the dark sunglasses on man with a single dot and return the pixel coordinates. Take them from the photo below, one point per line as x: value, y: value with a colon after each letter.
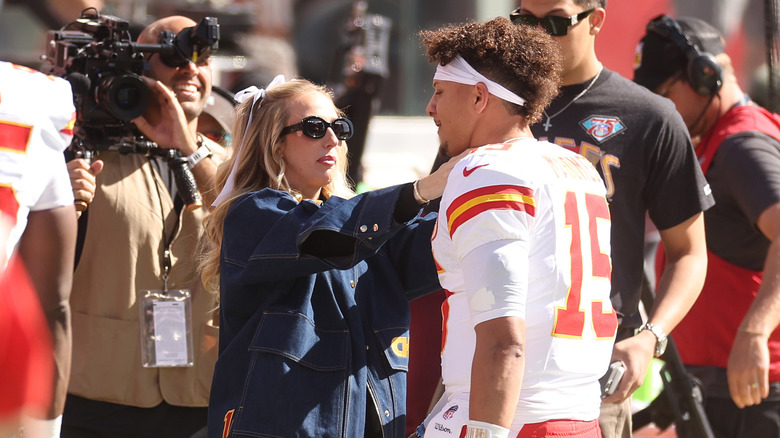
x: 316, y: 127
x: 177, y: 61
x: 555, y: 26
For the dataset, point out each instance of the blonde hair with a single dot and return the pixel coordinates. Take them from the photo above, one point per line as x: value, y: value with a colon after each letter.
x: 260, y: 149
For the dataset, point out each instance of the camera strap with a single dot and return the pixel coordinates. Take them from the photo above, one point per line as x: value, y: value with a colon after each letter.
x: 167, y: 239
x: 178, y: 205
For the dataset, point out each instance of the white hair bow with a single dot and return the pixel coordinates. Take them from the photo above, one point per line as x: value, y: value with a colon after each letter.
x: 249, y: 92
x: 242, y: 96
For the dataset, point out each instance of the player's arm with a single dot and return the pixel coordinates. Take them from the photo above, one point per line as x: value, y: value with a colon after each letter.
x: 497, y: 370
x: 47, y: 247
x: 681, y: 282
x: 749, y: 358
x: 495, y: 279
x: 678, y: 288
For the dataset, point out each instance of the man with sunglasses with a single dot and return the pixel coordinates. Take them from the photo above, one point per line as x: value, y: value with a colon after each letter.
x: 642, y: 150
x: 136, y: 237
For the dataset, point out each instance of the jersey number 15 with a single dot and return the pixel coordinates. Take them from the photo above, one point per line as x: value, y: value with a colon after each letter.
x: 570, y: 319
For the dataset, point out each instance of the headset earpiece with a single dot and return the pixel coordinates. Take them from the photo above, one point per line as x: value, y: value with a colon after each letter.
x: 704, y: 72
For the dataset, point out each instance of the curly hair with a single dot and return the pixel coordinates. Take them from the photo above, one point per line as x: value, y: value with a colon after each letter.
x: 523, y: 59
x: 261, y: 147
x: 591, y: 3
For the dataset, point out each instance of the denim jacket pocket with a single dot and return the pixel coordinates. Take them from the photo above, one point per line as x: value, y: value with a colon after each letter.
x: 395, y: 343
x: 295, y: 366
x: 295, y: 337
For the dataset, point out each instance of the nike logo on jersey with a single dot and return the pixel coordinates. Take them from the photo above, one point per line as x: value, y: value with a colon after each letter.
x: 467, y: 171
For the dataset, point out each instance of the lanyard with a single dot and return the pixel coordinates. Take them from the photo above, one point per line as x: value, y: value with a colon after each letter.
x: 178, y: 205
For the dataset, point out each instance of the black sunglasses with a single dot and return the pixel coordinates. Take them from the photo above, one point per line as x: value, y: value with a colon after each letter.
x: 555, y: 26
x: 316, y: 127
x: 176, y: 61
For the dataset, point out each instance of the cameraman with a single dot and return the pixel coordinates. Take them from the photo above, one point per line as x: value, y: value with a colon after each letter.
x: 132, y: 230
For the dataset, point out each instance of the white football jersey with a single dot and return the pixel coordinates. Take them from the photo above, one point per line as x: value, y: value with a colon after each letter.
x: 542, y: 210
x: 36, y: 125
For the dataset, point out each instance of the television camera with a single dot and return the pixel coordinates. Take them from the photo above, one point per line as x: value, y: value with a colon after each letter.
x: 96, y: 55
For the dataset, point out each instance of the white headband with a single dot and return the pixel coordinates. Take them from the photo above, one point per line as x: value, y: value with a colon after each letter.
x: 242, y: 96
x: 458, y: 70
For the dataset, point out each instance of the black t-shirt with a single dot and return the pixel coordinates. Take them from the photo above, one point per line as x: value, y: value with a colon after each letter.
x: 745, y: 180
x: 640, y: 146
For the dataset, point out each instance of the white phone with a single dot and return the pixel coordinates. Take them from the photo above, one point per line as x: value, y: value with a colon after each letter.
x: 610, y: 381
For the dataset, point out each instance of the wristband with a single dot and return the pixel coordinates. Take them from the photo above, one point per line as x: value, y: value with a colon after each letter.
x: 198, y: 156
x: 480, y: 429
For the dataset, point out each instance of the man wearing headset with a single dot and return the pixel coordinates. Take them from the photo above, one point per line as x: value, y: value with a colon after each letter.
x: 728, y: 339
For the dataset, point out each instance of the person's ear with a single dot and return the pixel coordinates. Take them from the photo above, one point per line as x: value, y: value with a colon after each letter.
x: 480, y: 97
x: 597, y: 18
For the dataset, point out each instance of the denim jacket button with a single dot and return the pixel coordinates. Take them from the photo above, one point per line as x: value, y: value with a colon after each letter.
x: 376, y: 227
x: 387, y: 413
x: 363, y: 228
x: 352, y: 283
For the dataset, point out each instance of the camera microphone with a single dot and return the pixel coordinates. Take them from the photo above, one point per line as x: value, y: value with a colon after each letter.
x: 80, y: 83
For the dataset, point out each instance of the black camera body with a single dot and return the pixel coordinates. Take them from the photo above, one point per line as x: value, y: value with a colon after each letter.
x: 96, y: 55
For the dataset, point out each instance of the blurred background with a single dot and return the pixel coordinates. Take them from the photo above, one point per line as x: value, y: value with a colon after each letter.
x: 369, y: 52
x: 263, y: 37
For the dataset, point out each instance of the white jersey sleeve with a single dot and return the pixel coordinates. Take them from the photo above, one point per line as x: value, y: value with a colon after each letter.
x: 36, y: 125
x: 495, y: 277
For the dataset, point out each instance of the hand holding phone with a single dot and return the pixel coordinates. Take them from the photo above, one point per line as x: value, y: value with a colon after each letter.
x: 610, y: 381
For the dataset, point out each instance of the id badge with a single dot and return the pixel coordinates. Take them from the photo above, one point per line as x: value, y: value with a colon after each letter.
x: 166, y: 328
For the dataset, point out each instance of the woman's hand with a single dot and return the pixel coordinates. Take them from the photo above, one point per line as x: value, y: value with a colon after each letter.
x: 432, y: 186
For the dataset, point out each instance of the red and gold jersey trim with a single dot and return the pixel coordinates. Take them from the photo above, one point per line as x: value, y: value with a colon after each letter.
x: 14, y: 137
x: 499, y: 197
x: 445, y: 315
x: 68, y: 129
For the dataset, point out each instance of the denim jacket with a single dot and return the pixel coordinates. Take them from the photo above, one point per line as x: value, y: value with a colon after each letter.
x: 305, y: 340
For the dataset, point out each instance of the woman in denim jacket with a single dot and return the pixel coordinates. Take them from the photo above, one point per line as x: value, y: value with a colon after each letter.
x: 314, y: 280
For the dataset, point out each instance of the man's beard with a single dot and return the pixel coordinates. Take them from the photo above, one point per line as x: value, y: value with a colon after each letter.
x: 191, y: 110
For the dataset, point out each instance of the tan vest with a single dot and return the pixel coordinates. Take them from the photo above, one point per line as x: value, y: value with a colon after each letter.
x: 121, y: 257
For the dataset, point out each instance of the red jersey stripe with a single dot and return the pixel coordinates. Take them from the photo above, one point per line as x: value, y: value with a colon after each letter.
x: 501, y: 197
x: 445, y: 314
x: 68, y: 129
x: 14, y: 137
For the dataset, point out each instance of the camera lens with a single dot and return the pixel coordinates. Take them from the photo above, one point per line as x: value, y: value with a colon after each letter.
x: 123, y: 96
x: 126, y: 98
